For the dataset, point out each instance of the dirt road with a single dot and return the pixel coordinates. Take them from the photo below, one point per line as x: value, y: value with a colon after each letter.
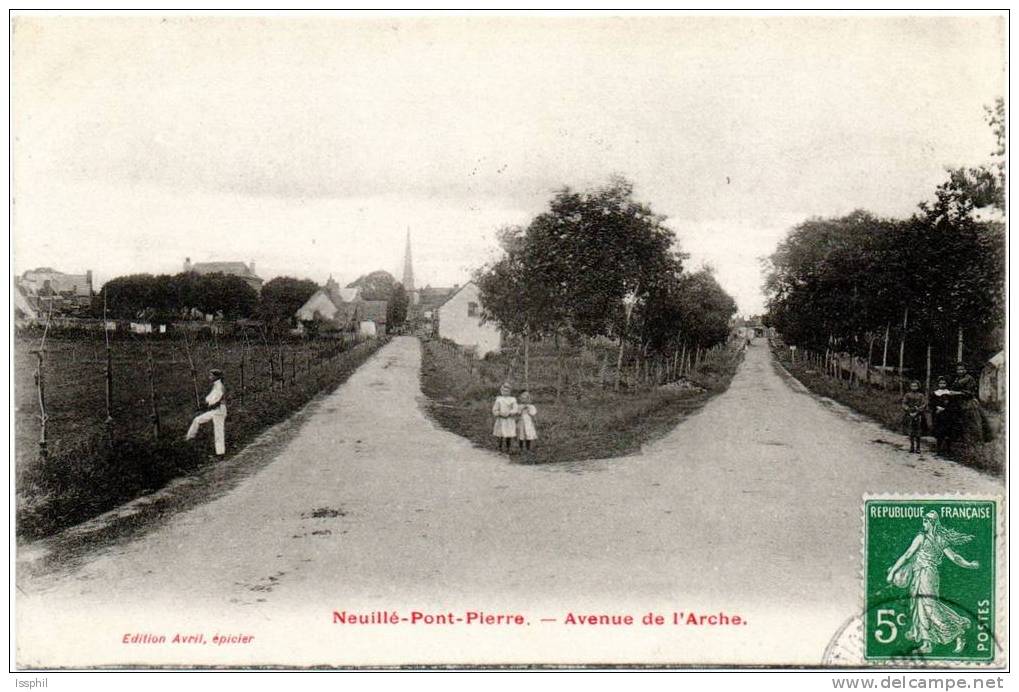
x: 749, y: 507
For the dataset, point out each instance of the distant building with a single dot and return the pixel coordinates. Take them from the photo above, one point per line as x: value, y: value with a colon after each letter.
x: 429, y: 300
x: 342, y: 309
x: 43, y: 280
x: 750, y: 327
x: 244, y: 271
x: 324, y: 303
x: 366, y: 317
x: 994, y: 379
x: 48, y: 291
x: 460, y: 320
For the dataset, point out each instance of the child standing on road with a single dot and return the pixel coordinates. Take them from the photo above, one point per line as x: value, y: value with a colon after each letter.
x: 505, y: 411
x: 914, y: 404
x: 525, y: 422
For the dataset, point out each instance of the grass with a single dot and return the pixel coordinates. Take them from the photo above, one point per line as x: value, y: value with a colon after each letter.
x: 93, y: 467
x: 588, y: 420
x: 885, y: 407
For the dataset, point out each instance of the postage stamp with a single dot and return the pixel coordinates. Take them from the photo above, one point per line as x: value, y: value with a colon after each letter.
x: 931, y: 578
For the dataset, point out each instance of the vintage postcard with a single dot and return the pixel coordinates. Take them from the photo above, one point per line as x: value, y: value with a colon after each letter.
x: 407, y: 340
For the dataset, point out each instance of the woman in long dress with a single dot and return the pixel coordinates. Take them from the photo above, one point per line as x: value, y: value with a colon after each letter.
x: 932, y: 621
x: 969, y: 426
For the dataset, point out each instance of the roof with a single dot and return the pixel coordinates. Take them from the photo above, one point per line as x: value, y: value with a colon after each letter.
x: 231, y: 268
x: 433, y: 297
x: 455, y: 293
x: 436, y: 291
x: 362, y: 310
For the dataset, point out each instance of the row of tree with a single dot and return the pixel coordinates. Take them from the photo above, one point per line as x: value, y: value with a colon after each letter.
x: 600, y: 263
x: 932, y: 283
x: 180, y: 296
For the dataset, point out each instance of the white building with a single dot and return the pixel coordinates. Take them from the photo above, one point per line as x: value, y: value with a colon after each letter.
x: 460, y: 321
x: 324, y: 303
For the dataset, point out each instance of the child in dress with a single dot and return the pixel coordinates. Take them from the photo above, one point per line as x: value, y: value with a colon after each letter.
x: 914, y: 404
x: 525, y: 422
x: 505, y: 411
x: 944, y: 411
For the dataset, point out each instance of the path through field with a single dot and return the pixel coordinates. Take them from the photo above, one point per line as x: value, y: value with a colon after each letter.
x: 750, y: 506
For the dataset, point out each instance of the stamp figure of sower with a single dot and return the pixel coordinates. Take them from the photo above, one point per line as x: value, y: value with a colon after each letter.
x: 932, y: 621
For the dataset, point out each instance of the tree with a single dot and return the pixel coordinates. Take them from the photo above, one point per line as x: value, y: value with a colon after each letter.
x: 974, y: 187
x: 843, y: 281
x: 136, y: 296
x: 704, y: 309
x: 167, y: 297
x: 224, y: 293
x: 566, y: 275
x: 516, y: 294
x: 282, y: 297
x: 396, y: 309
x: 377, y: 285
x: 596, y: 247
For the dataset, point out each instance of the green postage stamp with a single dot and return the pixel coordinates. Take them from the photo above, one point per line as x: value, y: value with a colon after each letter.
x: 931, y: 578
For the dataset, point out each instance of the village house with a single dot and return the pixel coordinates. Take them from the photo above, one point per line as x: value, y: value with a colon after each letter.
x: 429, y: 300
x: 46, y: 291
x: 342, y: 309
x: 244, y: 271
x: 461, y: 321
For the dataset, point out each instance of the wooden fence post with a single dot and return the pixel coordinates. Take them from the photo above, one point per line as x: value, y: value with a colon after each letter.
x: 242, y: 377
x: 191, y: 365
x: 884, y: 359
x: 40, y: 386
x: 902, y: 346
x: 927, y: 386
x: 153, y: 395
x: 109, y: 381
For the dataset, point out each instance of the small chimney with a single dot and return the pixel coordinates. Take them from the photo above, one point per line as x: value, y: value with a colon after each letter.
x: 251, y: 267
x: 187, y: 264
x: 88, y: 278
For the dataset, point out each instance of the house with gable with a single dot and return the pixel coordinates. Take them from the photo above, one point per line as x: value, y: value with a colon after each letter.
x: 460, y: 319
x: 342, y: 309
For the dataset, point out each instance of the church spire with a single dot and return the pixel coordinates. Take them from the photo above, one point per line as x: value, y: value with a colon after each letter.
x: 408, y: 268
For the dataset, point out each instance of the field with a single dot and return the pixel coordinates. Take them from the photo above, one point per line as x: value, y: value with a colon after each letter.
x: 104, y: 461
x: 580, y: 413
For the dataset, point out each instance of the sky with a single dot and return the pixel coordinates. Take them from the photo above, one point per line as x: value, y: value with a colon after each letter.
x: 311, y: 145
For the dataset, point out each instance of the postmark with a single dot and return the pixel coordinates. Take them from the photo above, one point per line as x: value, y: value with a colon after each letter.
x: 931, y: 579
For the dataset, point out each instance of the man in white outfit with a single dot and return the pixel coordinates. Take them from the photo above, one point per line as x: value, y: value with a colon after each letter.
x: 215, y: 402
